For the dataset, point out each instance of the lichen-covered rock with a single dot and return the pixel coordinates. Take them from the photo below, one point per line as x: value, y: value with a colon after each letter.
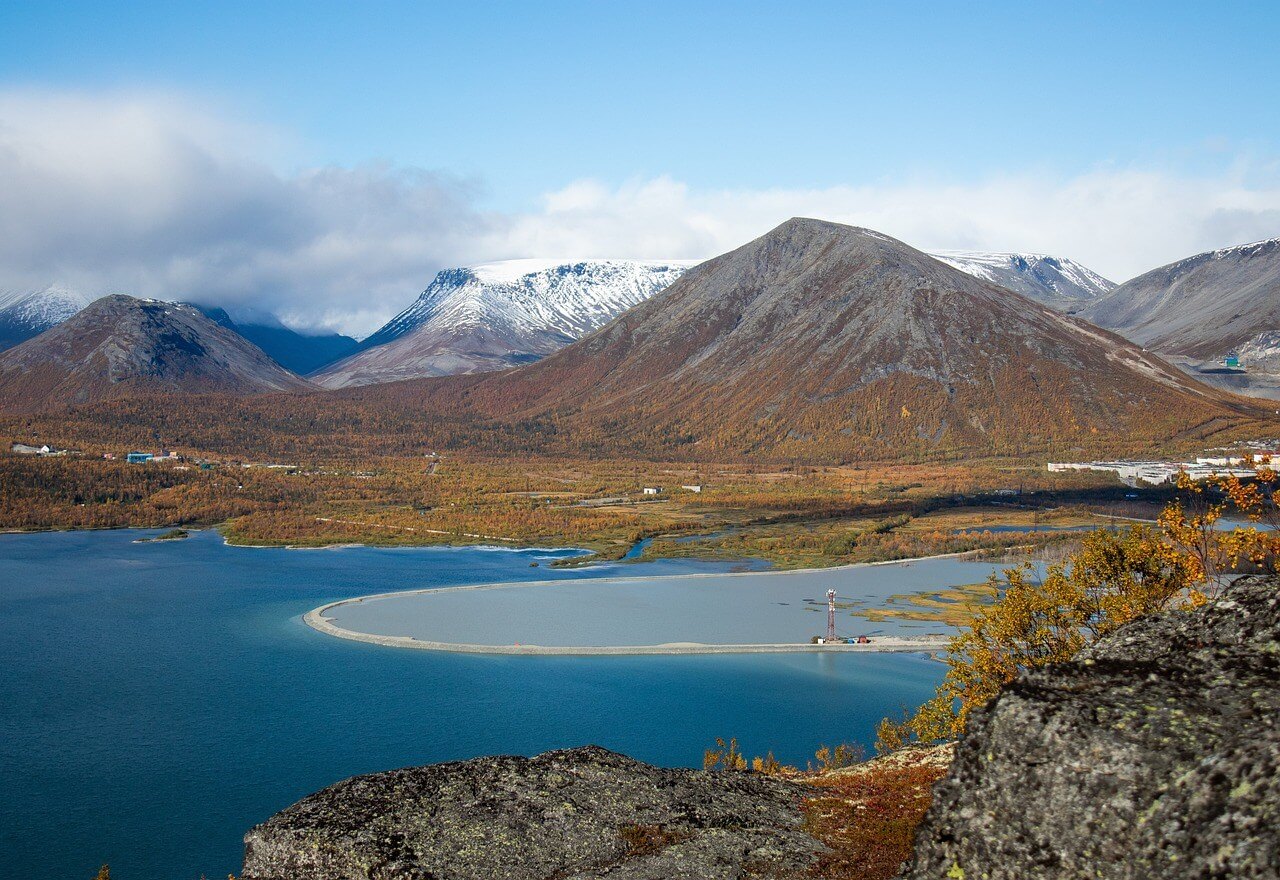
x: 1155, y: 754
x: 570, y: 815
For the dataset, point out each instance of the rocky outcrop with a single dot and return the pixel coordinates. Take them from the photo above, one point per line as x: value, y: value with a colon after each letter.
x: 1156, y: 754
x: 571, y: 815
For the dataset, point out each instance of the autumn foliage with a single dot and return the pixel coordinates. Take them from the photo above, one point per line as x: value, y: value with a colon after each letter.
x: 1112, y: 580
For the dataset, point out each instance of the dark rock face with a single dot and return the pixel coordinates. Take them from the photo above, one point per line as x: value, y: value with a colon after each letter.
x: 570, y: 815
x: 1156, y: 754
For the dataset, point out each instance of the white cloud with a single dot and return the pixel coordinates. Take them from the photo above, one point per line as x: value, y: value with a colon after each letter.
x: 157, y: 196
x: 1121, y: 222
x: 145, y: 195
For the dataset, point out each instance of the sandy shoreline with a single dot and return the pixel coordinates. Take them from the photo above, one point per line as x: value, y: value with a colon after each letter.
x: 317, y: 620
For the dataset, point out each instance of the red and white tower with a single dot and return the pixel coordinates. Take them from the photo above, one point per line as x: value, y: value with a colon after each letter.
x: 831, y: 615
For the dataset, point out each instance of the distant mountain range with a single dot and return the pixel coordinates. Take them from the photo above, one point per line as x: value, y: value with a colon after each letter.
x: 819, y: 336
x: 119, y: 346
x: 816, y: 339
x: 1202, y: 309
x: 495, y: 316
x: 30, y: 313
x: 1057, y: 282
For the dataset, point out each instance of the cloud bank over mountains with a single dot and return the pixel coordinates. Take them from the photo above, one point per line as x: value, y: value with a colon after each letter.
x: 158, y: 195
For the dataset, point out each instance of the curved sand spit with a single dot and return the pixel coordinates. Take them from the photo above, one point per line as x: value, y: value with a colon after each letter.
x: 317, y: 619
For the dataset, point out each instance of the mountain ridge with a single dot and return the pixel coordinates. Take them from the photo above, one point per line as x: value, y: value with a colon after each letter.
x: 1199, y: 310
x: 300, y: 353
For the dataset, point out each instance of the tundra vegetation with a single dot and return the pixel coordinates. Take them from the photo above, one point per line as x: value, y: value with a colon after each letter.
x: 791, y: 515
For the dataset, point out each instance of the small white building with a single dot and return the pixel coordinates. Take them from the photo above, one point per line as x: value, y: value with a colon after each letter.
x: 696, y: 487
x: 651, y: 490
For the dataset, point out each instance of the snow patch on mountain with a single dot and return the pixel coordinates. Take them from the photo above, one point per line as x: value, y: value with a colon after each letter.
x: 567, y: 297
x: 1248, y: 250
x: 47, y: 307
x: 1054, y: 281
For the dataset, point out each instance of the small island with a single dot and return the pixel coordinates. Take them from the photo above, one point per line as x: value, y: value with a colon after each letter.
x: 171, y: 535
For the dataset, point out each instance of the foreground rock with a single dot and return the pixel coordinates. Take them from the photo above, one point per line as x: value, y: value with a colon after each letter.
x: 1156, y: 754
x: 571, y: 815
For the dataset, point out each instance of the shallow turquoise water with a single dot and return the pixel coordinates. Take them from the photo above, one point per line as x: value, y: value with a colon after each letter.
x: 157, y: 700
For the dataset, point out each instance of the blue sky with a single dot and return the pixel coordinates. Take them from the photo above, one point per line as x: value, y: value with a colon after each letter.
x: 530, y: 96
x: 694, y: 116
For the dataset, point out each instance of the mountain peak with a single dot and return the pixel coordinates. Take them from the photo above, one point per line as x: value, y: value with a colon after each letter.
x: 811, y: 228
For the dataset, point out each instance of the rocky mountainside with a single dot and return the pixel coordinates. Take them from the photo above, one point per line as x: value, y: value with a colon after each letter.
x: 121, y: 347
x: 30, y: 313
x: 1154, y: 754
x: 1056, y: 282
x: 1199, y: 310
x: 499, y: 315
x: 299, y: 353
x: 819, y: 337
x: 571, y: 815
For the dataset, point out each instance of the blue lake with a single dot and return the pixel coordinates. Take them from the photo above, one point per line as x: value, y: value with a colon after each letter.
x: 159, y: 699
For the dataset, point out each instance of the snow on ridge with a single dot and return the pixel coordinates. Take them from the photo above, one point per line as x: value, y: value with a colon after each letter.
x: 568, y: 298
x: 42, y: 308
x: 1240, y: 248
x: 1039, y: 275
x: 511, y: 271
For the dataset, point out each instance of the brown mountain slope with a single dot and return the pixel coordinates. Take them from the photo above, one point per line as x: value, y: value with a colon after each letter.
x: 124, y: 347
x: 819, y: 337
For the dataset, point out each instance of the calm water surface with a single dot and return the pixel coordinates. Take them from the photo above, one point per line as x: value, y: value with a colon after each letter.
x: 156, y: 700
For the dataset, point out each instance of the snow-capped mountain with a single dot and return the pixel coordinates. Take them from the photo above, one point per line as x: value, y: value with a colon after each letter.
x: 1055, y: 281
x: 29, y: 313
x: 1202, y: 306
x: 494, y: 316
